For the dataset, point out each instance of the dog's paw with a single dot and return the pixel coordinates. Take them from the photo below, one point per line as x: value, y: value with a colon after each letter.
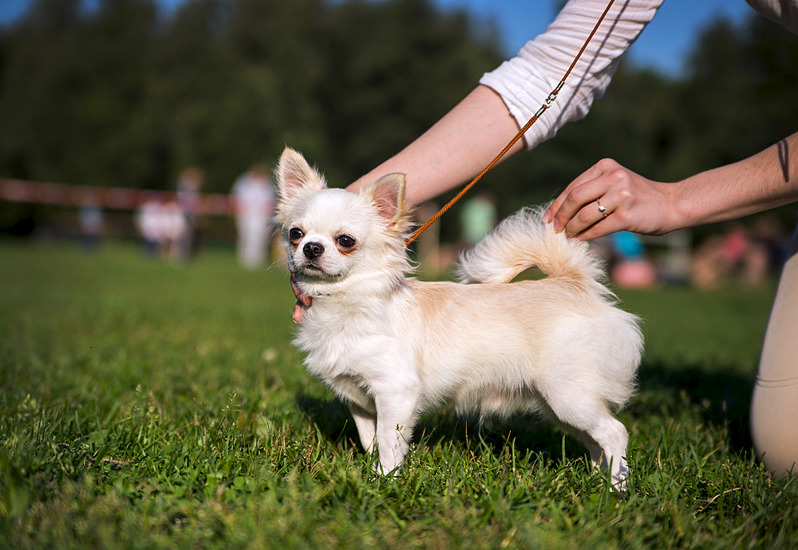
x: 386, y: 472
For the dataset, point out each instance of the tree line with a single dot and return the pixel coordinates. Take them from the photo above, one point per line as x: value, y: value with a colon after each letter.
x: 123, y: 94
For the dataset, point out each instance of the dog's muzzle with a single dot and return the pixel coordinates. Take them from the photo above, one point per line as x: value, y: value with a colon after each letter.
x: 313, y: 250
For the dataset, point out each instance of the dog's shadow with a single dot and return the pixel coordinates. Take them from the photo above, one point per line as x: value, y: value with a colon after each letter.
x: 524, y: 432
x: 722, y: 398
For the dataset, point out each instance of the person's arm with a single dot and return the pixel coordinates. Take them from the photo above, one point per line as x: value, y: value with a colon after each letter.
x: 633, y: 203
x: 454, y: 150
x: 464, y: 141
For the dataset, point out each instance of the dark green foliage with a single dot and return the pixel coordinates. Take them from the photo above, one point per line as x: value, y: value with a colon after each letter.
x: 123, y: 95
x: 120, y: 95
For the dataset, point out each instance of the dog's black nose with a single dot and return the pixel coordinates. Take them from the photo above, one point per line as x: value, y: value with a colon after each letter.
x: 313, y: 250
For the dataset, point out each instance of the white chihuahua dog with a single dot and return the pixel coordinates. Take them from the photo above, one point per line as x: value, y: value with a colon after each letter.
x: 393, y: 347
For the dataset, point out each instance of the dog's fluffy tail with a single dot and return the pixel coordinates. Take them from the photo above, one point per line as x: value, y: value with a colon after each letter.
x: 523, y: 241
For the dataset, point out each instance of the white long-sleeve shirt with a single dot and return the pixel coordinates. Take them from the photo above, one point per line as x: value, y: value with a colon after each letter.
x: 525, y: 81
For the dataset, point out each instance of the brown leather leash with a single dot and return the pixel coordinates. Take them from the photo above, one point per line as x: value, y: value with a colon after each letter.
x: 549, y: 100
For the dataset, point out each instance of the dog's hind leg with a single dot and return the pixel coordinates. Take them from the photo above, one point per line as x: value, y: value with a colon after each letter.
x: 604, y: 436
x: 606, y: 441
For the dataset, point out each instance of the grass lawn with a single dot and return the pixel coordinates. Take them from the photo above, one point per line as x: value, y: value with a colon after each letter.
x: 152, y: 406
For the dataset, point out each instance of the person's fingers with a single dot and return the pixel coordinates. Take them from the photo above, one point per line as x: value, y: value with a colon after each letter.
x: 572, y: 197
x: 554, y: 207
x: 588, y: 216
x: 584, y: 190
x: 580, y: 210
x: 604, y: 226
x: 552, y: 212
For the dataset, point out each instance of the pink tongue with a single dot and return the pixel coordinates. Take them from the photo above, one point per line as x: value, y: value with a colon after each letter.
x: 298, y: 312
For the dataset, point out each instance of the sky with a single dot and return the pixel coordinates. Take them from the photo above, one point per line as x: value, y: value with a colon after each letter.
x: 662, y: 46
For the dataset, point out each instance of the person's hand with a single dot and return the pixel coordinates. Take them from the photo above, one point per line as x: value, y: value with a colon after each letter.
x: 303, y: 301
x: 609, y: 198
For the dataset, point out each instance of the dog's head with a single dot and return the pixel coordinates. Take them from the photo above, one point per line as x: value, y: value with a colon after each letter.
x: 334, y: 238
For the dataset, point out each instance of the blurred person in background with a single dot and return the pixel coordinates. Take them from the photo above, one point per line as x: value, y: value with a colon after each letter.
x: 629, y: 263
x: 92, y: 222
x: 189, y: 183
x: 477, y: 218
x: 253, y: 204
x: 162, y: 226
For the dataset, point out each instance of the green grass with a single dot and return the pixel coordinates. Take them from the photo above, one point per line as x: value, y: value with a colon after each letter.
x: 146, y: 405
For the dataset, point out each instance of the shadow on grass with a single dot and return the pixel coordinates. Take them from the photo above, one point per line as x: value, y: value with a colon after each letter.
x: 720, y: 397
x: 330, y: 416
x: 526, y: 433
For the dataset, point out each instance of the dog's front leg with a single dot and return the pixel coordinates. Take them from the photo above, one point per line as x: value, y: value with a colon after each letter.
x: 366, y: 426
x: 396, y: 417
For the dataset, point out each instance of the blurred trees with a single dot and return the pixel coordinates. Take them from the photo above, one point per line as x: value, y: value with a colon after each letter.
x: 123, y: 95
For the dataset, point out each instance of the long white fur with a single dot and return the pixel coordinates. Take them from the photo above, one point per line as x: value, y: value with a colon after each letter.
x: 522, y: 241
x: 393, y: 347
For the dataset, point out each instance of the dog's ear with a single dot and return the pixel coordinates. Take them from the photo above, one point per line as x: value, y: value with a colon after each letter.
x: 295, y: 180
x: 295, y: 176
x: 388, y: 195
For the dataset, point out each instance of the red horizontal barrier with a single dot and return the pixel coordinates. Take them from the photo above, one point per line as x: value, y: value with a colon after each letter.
x: 109, y: 198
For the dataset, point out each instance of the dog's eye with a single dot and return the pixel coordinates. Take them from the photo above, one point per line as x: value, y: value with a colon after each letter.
x: 296, y: 234
x: 346, y: 241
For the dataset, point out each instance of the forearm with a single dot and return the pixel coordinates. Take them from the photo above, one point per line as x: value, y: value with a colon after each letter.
x: 609, y: 197
x: 527, y: 79
x: 765, y: 180
x: 454, y: 150
x: 462, y: 143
